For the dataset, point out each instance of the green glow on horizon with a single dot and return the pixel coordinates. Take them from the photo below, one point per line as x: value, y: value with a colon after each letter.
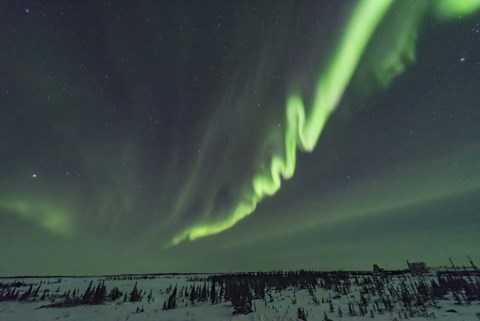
x: 303, y: 128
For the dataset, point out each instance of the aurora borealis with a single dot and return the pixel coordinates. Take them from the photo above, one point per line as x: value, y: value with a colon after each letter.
x: 185, y: 136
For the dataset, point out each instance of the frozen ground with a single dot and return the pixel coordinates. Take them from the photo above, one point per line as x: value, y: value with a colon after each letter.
x: 277, y: 304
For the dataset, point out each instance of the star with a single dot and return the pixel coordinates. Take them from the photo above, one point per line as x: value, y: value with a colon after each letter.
x: 34, y: 175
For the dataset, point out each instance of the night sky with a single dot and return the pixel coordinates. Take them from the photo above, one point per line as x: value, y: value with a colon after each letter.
x: 195, y: 136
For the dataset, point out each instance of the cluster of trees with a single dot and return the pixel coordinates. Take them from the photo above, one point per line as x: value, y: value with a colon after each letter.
x: 212, y: 290
x: 171, y: 302
x: 95, y: 294
x: 12, y: 292
x: 466, y: 289
x: 302, y: 315
x: 195, y: 293
x: 410, y: 297
x: 368, y: 294
x: 242, y: 288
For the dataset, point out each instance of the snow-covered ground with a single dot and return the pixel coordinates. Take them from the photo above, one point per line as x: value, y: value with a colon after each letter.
x: 155, y: 291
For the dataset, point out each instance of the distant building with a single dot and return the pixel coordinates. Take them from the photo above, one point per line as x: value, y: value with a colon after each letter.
x: 417, y: 267
x: 377, y: 269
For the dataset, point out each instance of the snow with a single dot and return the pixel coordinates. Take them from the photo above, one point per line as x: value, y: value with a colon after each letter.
x: 282, y: 305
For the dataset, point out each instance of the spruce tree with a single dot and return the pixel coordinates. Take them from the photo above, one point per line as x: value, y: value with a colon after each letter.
x: 213, y: 294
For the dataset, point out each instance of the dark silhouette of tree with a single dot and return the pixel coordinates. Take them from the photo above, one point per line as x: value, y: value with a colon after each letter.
x: 213, y: 293
x: 100, y: 293
x: 171, y: 302
x: 301, y: 314
x: 135, y: 295
x: 150, y: 296
x: 115, y: 294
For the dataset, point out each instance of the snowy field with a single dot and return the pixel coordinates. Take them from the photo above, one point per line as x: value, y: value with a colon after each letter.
x: 195, y: 297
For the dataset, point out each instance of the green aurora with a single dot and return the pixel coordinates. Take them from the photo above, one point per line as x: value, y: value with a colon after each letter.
x: 148, y: 137
x: 301, y: 131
